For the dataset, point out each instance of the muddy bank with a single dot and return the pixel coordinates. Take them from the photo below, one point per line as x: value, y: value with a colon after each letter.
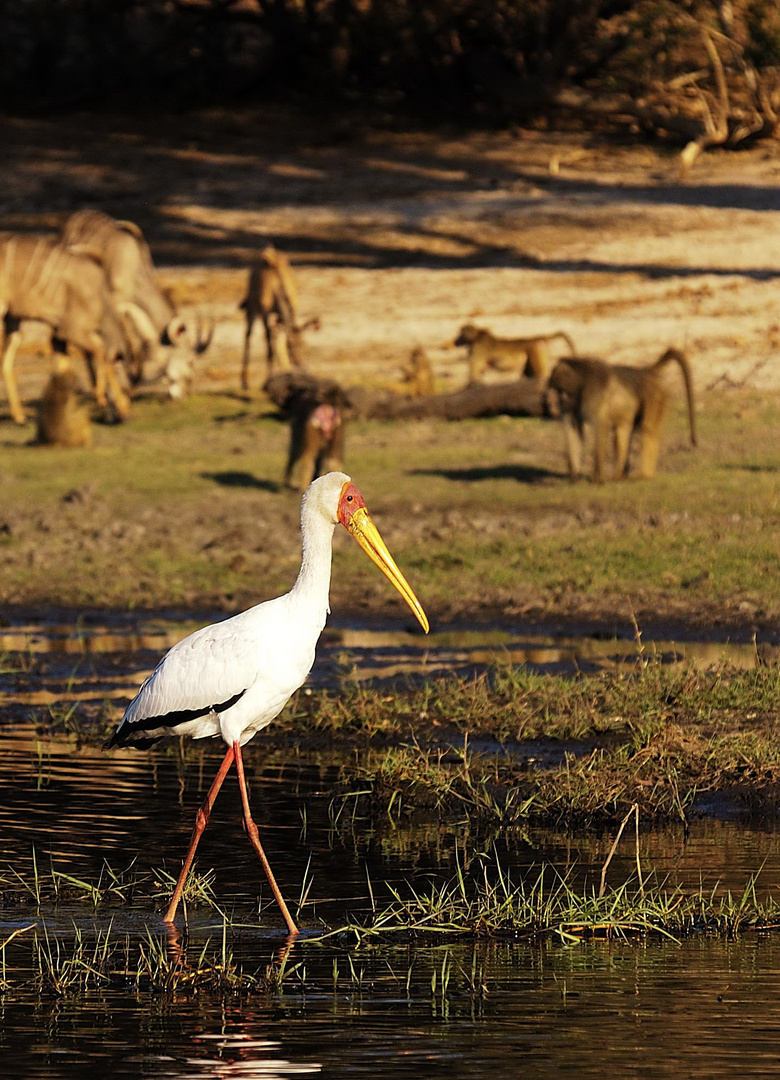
x: 578, y: 617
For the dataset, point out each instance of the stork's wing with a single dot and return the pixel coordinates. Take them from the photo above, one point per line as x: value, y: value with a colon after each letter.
x: 202, y: 675
x: 264, y: 653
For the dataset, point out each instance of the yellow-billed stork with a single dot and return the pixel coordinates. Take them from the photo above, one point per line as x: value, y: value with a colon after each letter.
x: 233, y: 677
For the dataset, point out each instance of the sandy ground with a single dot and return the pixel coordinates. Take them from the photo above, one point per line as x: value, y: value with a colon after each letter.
x: 398, y: 238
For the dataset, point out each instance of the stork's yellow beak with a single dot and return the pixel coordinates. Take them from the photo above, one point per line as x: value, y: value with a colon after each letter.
x: 367, y: 535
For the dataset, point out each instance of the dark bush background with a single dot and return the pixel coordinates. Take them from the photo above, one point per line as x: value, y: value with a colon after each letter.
x: 477, y: 60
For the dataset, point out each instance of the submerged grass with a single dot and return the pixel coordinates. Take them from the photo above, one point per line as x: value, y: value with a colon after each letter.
x: 482, y: 902
x: 67, y: 965
x: 494, y: 905
x: 45, y: 886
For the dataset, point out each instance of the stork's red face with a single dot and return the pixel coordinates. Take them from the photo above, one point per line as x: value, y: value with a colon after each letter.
x: 354, y: 516
x: 350, y: 500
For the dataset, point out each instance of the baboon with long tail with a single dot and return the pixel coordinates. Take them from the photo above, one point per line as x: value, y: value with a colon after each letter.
x: 614, y: 401
x: 528, y: 356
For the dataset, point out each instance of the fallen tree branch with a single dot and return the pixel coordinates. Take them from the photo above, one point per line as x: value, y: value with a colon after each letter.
x: 523, y: 397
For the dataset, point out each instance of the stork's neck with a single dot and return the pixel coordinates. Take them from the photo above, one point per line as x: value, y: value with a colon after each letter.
x: 312, y: 586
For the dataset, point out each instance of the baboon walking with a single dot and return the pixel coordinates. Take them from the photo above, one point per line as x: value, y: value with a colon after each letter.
x: 272, y: 296
x: 615, y: 401
x: 528, y: 356
x: 316, y: 437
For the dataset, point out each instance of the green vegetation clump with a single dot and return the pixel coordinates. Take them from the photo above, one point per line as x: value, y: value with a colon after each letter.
x: 510, y: 745
x: 547, y: 904
x: 556, y: 749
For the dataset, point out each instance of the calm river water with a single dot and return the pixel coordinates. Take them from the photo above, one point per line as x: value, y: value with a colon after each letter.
x: 701, y: 1008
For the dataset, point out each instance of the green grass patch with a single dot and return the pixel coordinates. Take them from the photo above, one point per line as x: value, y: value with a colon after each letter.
x: 183, y: 504
x: 547, y: 904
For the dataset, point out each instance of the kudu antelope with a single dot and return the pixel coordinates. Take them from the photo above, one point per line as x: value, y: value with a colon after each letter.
x: 166, y: 342
x: 272, y: 297
x: 42, y: 281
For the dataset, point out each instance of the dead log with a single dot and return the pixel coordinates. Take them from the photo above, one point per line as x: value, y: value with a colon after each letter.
x: 523, y: 397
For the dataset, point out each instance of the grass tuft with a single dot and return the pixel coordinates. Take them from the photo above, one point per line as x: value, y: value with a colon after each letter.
x: 490, y: 904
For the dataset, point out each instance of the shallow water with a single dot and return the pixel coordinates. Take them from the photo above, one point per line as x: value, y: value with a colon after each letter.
x: 92, y: 659
x: 700, y: 1008
x: 384, y: 650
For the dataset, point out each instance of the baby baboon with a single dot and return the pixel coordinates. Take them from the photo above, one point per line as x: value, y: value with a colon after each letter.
x: 316, y: 436
x: 527, y: 356
x: 63, y: 417
x: 417, y: 375
x: 615, y: 401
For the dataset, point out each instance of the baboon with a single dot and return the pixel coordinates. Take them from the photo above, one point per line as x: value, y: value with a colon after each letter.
x: 527, y: 356
x: 316, y: 436
x: 417, y: 375
x: 615, y: 401
x: 63, y: 417
x: 272, y: 296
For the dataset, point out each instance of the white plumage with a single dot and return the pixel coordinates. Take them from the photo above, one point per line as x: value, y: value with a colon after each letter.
x: 234, y: 677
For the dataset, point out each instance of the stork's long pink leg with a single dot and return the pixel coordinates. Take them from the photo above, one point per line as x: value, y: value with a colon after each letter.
x: 201, y: 821
x: 254, y: 837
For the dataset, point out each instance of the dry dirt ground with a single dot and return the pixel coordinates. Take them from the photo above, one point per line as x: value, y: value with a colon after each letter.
x: 398, y: 238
